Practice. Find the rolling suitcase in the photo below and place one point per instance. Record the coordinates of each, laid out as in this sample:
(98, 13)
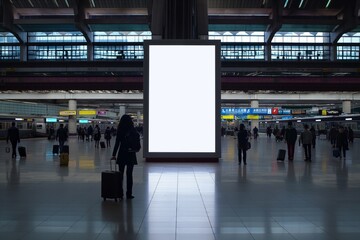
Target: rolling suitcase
(110, 181)
(102, 144)
(65, 149)
(281, 155)
(55, 149)
(64, 159)
(22, 152)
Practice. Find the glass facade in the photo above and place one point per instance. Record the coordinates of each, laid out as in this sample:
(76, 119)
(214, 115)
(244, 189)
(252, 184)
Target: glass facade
(72, 46)
(9, 47)
(29, 109)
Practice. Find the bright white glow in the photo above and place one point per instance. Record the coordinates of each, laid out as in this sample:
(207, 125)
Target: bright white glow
(318, 120)
(298, 121)
(301, 3)
(348, 119)
(61, 120)
(182, 93)
(328, 3)
(19, 119)
(277, 121)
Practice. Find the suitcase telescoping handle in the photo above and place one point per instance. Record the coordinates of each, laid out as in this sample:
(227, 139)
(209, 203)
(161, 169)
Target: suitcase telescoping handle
(111, 161)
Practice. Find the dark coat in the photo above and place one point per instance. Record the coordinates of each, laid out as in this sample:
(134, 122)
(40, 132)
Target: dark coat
(13, 135)
(123, 157)
(291, 135)
(61, 134)
(341, 140)
(242, 138)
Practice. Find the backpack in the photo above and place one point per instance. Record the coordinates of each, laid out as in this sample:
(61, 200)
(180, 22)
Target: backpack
(132, 141)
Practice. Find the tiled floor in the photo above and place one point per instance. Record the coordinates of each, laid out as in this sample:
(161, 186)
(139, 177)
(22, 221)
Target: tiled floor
(263, 201)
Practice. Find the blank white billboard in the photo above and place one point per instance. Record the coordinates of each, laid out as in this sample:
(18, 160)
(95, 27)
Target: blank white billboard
(182, 100)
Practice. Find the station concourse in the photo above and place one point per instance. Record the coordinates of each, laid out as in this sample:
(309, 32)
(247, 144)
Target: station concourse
(82, 63)
(265, 199)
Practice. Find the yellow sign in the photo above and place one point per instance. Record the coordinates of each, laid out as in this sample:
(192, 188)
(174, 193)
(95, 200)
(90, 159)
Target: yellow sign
(67, 113)
(324, 112)
(227, 117)
(87, 112)
(253, 117)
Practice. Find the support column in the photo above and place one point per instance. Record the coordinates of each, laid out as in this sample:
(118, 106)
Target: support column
(72, 119)
(346, 106)
(122, 110)
(254, 123)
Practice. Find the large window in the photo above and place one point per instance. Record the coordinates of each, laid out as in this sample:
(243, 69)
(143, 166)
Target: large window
(119, 45)
(242, 52)
(111, 37)
(348, 47)
(55, 37)
(243, 37)
(9, 47)
(301, 46)
(57, 52)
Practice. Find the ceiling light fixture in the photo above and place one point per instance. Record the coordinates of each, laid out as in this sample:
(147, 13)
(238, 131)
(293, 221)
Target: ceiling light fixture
(286, 3)
(328, 3)
(301, 3)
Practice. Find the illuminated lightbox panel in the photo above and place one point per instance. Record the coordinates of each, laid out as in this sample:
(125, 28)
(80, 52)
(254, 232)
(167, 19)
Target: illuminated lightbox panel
(182, 99)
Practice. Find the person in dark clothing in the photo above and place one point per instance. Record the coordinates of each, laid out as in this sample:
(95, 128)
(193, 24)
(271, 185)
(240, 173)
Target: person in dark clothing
(124, 157)
(269, 131)
(290, 139)
(341, 141)
(333, 135)
(306, 139)
(255, 131)
(107, 136)
(313, 133)
(242, 138)
(351, 135)
(97, 136)
(14, 137)
(61, 136)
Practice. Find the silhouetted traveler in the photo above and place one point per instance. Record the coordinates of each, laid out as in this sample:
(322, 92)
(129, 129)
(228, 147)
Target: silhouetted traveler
(14, 137)
(125, 157)
(61, 135)
(255, 131)
(341, 142)
(306, 139)
(242, 137)
(290, 139)
(107, 136)
(313, 132)
(333, 135)
(351, 135)
(97, 136)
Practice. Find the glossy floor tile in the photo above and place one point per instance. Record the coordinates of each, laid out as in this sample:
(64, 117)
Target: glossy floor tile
(263, 200)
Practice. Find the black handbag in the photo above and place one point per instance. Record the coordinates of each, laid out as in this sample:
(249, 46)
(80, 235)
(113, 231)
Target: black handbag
(248, 145)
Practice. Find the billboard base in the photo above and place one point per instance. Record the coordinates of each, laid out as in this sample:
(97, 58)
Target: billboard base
(184, 160)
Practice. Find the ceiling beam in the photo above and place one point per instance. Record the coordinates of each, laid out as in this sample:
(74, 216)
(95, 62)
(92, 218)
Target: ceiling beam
(80, 15)
(350, 20)
(7, 17)
(276, 17)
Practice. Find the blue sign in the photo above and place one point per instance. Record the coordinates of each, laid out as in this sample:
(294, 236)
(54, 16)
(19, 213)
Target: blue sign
(242, 111)
(284, 111)
(51, 120)
(83, 121)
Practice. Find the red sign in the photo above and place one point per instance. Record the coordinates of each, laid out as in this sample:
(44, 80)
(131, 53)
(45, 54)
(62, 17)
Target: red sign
(275, 111)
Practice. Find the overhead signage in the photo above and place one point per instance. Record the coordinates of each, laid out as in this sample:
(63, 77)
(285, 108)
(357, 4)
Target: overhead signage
(227, 117)
(67, 113)
(251, 111)
(298, 112)
(51, 120)
(83, 121)
(87, 112)
(102, 113)
(325, 112)
(253, 117)
(255, 111)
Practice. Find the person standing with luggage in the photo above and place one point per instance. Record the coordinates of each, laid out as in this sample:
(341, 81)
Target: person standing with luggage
(124, 156)
(14, 137)
(290, 139)
(342, 142)
(97, 136)
(313, 132)
(242, 138)
(61, 136)
(306, 139)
